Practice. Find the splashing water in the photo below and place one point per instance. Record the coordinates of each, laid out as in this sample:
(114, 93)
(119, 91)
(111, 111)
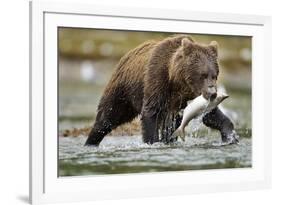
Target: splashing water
(194, 126)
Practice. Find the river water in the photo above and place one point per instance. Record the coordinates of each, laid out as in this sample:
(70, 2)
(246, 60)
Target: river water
(127, 154)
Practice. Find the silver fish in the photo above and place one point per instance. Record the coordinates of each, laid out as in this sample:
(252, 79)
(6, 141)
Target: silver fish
(197, 107)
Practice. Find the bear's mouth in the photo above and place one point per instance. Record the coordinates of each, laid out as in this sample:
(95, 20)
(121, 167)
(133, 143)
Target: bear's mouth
(213, 96)
(209, 96)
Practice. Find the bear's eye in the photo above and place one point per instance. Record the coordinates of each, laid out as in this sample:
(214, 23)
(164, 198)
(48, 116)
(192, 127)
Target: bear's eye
(204, 76)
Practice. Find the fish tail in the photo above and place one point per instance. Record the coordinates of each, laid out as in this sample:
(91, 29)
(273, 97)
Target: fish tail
(180, 132)
(182, 135)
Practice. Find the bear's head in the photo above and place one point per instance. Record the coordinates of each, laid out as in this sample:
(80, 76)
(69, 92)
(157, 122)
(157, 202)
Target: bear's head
(196, 67)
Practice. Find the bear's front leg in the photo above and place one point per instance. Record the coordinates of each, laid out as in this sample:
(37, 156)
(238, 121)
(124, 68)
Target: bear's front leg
(216, 119)
(150, 125)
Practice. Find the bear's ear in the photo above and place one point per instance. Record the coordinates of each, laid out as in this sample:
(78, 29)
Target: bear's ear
(185, 42)
(187, 45)
(214, 47)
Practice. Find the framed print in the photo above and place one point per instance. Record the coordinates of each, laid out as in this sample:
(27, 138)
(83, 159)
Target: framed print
(129, 102)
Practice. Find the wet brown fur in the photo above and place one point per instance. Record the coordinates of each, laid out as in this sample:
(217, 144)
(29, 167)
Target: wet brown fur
(154, 79)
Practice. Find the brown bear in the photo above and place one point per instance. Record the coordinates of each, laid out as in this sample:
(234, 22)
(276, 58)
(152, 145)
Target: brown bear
(155, 80)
